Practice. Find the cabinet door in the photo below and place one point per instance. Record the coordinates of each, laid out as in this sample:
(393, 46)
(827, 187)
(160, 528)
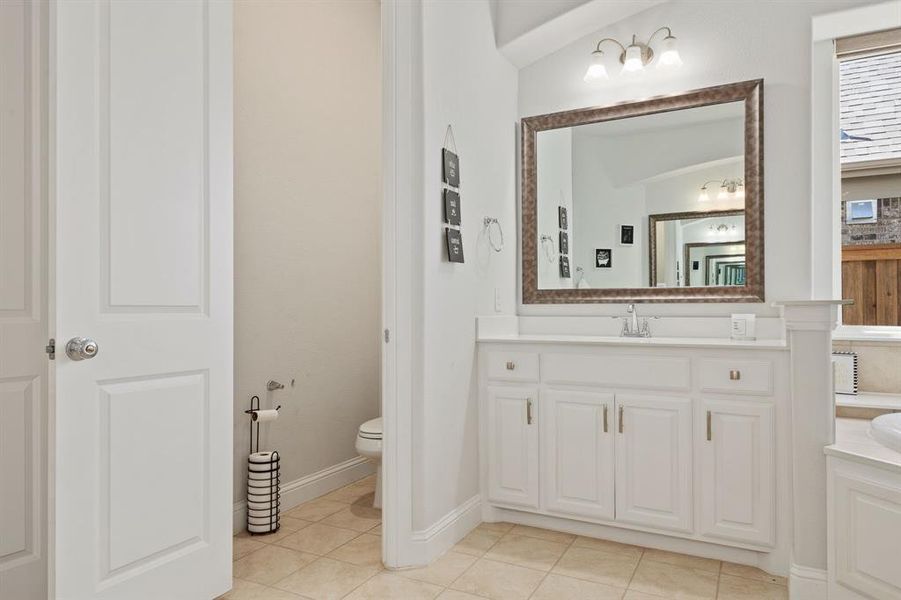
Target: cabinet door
(513, 445)
(653, 461)
(577, 453)
(737, 450)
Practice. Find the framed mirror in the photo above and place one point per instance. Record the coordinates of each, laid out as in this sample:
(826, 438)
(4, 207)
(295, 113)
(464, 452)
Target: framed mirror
(659, 200)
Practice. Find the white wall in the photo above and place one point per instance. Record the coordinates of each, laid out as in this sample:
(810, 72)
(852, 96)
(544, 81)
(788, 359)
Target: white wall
(307, 226)
(720, 42)
(466, 83)
(555, 188)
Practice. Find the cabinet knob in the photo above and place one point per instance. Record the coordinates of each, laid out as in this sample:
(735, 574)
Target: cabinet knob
(511, 365)
(734, 374)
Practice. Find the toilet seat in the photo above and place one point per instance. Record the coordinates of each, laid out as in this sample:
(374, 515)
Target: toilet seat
(371, 430)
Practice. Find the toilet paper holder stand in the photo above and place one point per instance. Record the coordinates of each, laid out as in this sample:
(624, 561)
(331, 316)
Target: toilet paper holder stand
(254, 407)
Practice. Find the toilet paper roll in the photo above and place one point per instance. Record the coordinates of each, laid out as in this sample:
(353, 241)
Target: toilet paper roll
(262, 416)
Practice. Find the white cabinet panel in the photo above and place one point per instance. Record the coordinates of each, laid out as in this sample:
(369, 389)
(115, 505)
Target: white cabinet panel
(736, 376)
(513, 366)
(866, 527)
(736, 445)
(670, 372)
(577, 453)
(653, 461)
(513, 445)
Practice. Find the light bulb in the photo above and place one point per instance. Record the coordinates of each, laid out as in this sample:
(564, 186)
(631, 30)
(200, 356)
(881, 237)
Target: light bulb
(633, 60)
(703, 196)
(669, 57)
(596, 70)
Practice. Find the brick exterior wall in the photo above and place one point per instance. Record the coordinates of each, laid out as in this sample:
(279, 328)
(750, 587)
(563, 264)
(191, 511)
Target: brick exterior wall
(886, 229)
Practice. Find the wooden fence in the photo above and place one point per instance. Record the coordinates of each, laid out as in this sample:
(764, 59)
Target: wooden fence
(871, 276)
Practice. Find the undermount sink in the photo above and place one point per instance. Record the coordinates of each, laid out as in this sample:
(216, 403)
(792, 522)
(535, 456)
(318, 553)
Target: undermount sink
(886, 429)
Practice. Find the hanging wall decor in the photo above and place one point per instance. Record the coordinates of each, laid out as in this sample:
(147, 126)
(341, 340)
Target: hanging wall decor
(451, 207)
(451, 168)
(564, 267)
(564, 242)
(603, 258)
(564, 222)
(454, 245)
(450, 176)
(627, 235)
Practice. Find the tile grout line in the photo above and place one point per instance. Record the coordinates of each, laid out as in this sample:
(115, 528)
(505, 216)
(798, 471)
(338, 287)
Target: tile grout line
(549, 571)
(635, 570)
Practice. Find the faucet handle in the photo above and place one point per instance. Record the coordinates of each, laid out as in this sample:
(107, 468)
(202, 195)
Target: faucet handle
(630, 309)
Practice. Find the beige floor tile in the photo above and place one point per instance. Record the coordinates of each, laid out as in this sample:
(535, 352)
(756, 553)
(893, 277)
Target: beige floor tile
(270, 563)
(499, 527)
(326, 579)
(455, 595)
(543, 534)
(377, 530)
(682, 560)
(365, 500)
(673, 581)
(388, 585)
(365, 550)
(315, 510)
(526, 551)
(247, 590)
(613, 569)
(357, 517)
(751, 573)
(244, 545)
(498, 581)
(353, 492)
(608, 546)
(443, 571)
(287, 526)
(477, 542)
(633, 595)
(557, 587)
(740, 588)
(318, 539)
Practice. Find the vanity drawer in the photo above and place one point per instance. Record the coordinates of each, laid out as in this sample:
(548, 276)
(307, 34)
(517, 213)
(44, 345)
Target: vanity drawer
(512, 366)
(753, 377)
(649, 372)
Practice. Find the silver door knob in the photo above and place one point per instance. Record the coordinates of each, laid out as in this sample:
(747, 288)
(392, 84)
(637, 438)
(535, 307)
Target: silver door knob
(79, 348)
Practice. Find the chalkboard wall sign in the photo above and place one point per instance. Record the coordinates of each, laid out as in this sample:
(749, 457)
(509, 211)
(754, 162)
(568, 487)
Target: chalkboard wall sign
(564, 222)
(454, 245)
(451, 168)
(564, 242)
(564, 267)
(451, 207)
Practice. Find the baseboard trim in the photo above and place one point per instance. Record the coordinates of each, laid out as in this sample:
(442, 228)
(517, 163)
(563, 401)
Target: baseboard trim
(312, 486)
(431, 543)
(806, 583)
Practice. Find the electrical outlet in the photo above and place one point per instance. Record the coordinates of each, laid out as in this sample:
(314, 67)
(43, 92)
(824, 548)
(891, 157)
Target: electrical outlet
(497, 300)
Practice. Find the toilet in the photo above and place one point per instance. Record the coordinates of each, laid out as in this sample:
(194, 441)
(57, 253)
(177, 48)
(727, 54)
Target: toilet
(369, 444)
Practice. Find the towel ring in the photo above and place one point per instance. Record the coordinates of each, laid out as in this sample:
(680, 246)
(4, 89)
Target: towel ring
(488, 222)
(549, 254)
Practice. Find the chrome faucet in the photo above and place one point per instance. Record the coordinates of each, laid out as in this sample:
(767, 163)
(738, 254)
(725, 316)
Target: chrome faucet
(633, 326)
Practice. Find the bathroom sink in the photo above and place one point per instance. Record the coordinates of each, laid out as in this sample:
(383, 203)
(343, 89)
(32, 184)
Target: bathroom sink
(886, 429)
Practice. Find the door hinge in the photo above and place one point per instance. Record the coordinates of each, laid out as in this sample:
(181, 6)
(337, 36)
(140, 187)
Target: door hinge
(387, 335)
(50, 349)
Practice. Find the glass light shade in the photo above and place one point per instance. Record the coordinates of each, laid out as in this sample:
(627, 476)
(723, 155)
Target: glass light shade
(740, 192)
(669, 56)
(724, 193)
(703, 196)
(596, 70)
(633, 61)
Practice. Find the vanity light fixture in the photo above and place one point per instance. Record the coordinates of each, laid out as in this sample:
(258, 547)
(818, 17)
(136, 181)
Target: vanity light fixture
(729, 189)
(636, 56)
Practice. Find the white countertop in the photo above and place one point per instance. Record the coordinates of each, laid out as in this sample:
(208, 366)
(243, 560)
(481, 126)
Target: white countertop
(853, 442)
(591, 340)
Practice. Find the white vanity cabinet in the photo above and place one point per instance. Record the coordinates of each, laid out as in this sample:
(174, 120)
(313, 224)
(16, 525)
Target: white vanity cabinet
(674, 441)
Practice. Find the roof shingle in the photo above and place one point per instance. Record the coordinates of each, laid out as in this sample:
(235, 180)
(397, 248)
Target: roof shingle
(870, 104)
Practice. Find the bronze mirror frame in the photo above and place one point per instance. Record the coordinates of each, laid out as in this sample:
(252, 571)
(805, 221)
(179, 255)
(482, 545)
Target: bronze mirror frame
(751, 92)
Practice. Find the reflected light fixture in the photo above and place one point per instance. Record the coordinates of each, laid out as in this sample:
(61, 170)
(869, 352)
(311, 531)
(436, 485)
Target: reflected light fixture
(729, 189)
(636, 56)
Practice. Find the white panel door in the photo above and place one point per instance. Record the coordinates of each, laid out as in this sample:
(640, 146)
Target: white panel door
(513, 446)
(577, 453)
(23, 308)
(142, 174)
(653, 461)
(736, 445)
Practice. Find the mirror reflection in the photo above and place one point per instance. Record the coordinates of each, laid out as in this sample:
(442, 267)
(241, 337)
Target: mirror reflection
(650, 201)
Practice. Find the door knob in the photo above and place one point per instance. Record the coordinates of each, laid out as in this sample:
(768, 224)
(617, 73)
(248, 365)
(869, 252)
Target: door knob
(79, 348)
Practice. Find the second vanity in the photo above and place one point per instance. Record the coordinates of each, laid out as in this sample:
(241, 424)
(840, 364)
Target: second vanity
(680, 444)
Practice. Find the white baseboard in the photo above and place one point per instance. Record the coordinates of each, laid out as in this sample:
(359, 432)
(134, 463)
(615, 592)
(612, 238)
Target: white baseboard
(806, 583)
(431, 543)
(312, 486)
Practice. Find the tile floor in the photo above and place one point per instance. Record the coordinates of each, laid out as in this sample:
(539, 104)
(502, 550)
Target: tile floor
(330, 548)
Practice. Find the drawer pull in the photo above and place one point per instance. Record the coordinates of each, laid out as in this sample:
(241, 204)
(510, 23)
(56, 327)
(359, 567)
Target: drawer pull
(709, 427)
(511, 365)
(621, 408)
(605, 418)
(528, 411)
(734, 374)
